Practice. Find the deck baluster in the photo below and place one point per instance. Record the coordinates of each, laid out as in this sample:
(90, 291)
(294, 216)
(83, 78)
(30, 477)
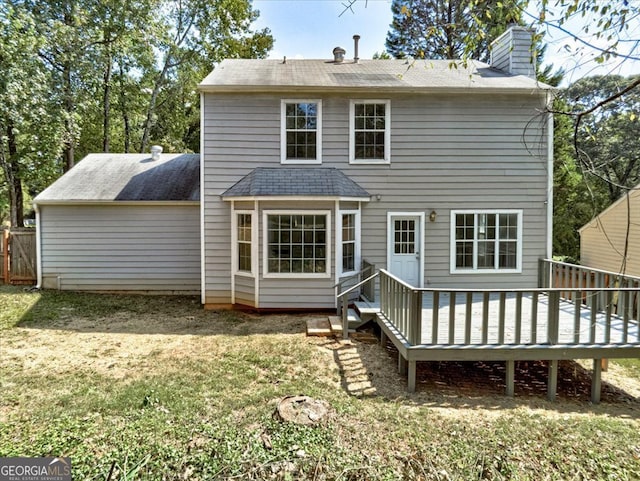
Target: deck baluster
(608, 313)
(625, 318)
(435, 317)
(485, 317)
(417, 329)
(577, 307)
(467, 318)
(552, 317)
(501, 317)
(452, 317)
(518, 333)
(593, 320)
(534, 317)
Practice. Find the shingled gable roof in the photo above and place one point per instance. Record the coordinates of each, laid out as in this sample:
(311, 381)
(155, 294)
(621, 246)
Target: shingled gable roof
(381, 75)
(127, 177)
(296, 182)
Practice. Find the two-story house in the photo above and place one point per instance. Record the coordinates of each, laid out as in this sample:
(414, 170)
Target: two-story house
(439, 173)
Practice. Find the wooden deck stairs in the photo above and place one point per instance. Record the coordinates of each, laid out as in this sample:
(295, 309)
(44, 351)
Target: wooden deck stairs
(360, 314)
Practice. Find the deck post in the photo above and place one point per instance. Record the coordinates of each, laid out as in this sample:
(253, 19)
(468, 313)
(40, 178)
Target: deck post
(383, 338)
(596, 381)
(552, 383)
(411, 377)
(402, 365)
(510, 376)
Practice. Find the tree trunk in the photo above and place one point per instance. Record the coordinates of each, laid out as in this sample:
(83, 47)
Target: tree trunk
(125, 113)
(14, 182)
(106, 103)
(67, 91)
(152, 105)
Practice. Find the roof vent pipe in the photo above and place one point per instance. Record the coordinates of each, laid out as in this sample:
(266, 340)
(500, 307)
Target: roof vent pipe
(338, 54)
(156, 150)
(355, 48)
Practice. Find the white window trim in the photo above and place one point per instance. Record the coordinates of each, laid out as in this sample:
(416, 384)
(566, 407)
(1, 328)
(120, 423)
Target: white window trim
(358, 255)
(387, 132)
(265, 245)
(283, 133)
(254, 243)
(452, 244)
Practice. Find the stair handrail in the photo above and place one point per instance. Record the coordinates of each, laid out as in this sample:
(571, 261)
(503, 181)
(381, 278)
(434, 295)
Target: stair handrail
(345, 313)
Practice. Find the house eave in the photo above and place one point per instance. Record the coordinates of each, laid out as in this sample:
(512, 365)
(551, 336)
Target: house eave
(369, 90)
(290, 198)
(116, 202)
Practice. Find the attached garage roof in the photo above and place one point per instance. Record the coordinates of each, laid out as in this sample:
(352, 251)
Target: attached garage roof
(296, 182)
(127, 177)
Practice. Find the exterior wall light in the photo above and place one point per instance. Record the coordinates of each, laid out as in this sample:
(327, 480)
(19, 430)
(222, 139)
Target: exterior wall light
(433, 215)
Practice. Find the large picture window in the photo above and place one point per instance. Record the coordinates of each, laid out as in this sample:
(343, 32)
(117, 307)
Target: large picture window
(301, 131)
(297, 244)
(370, 131)
(486, 241)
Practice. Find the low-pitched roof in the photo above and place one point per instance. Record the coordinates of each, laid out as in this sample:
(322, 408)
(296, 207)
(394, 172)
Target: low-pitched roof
(127, 177)
(382, 75)
(296, 182)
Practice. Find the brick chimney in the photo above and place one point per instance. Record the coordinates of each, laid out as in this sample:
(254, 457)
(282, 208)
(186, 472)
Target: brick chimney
(512, 52)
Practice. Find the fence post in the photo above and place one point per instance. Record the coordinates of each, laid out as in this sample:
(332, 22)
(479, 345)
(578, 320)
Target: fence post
(5, 255)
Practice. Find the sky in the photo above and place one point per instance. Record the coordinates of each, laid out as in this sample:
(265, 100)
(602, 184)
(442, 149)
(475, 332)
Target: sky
(310, 29)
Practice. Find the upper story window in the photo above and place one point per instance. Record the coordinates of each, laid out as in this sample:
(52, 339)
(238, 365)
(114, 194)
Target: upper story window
(370, 131)
(301, 136)
(486, 241)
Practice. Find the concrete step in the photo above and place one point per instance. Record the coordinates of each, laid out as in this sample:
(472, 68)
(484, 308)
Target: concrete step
(336, 322)
(319, 327)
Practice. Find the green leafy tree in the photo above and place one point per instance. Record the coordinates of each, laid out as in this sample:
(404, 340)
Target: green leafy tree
(30, 130)
(607, 139)
(449, 29)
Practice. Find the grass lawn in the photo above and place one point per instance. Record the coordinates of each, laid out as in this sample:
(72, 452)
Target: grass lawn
(136, 387)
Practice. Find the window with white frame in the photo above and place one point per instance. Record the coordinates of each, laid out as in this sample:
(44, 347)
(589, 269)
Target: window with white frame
(243, 239)
(370, 131)
(348, 241)
(486, 241)
(301, 131)
(297, 243)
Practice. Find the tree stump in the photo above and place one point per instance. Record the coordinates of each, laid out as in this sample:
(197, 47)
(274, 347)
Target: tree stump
(302, 410)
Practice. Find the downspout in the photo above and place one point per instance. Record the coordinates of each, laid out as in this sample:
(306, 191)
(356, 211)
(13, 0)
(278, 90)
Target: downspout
(203, 286)
(38, 248)
(549, 178)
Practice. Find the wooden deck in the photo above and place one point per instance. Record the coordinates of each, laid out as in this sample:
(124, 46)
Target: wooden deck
(577, 313)
(571, 329)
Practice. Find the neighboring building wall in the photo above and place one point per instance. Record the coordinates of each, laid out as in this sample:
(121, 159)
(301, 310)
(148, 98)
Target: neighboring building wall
(602, 241)
(153, 248)
(447, 152)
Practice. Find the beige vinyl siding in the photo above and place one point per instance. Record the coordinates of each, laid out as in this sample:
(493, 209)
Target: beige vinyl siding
(602, 241)
(448, 152)
(121, 248)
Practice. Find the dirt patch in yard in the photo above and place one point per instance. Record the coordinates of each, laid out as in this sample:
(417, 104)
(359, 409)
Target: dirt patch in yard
(133, 345)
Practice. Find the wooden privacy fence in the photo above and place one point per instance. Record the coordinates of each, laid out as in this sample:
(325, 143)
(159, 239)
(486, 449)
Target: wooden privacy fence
(18, 256)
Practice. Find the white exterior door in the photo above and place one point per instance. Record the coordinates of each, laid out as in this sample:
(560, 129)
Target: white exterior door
(405, 247)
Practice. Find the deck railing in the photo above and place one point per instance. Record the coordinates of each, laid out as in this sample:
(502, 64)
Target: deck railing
(570, 277)
(509, 316)
(367, 289)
